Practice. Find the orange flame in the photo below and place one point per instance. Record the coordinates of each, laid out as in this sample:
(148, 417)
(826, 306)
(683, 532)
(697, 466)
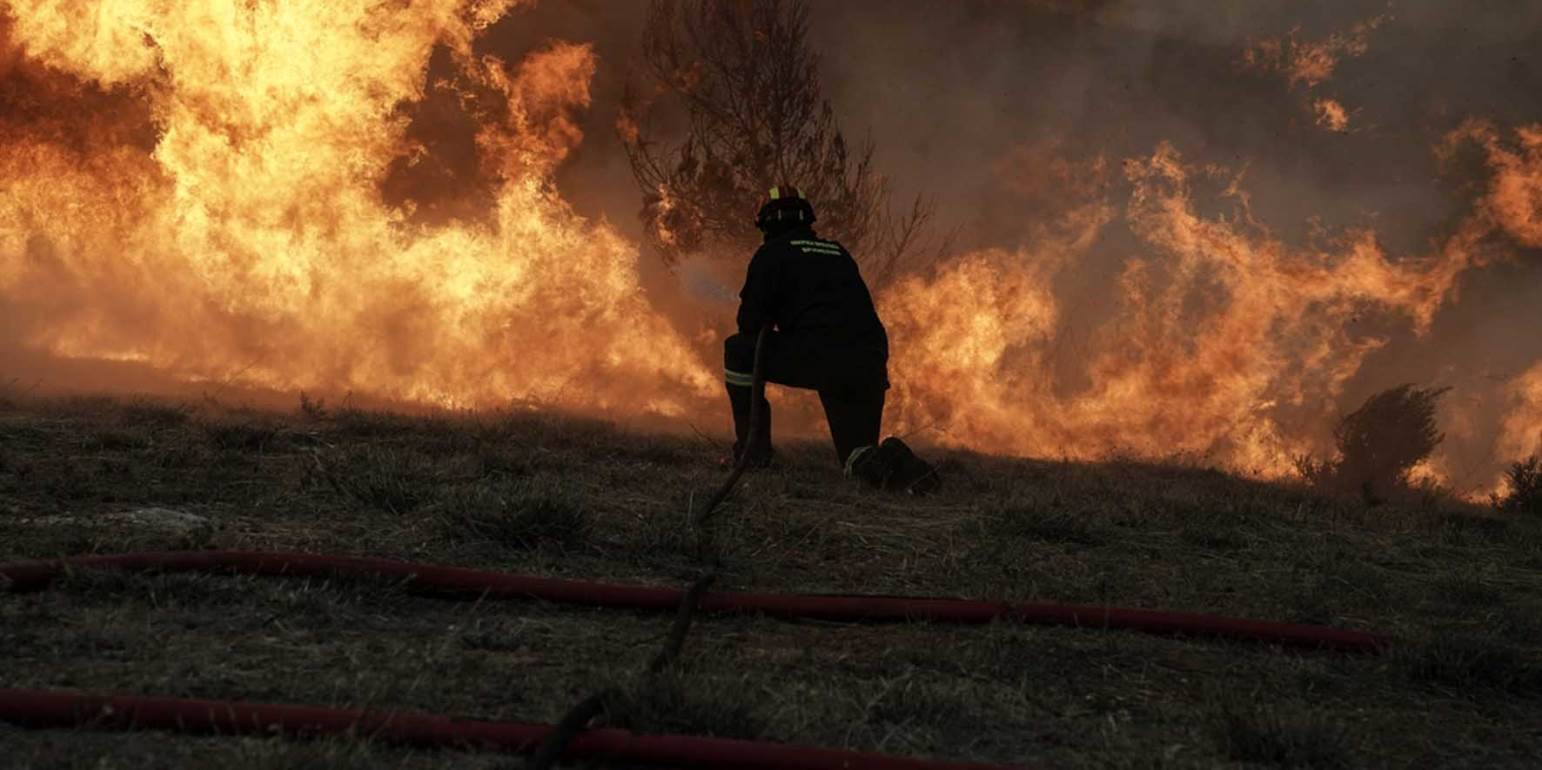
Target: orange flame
(1220, 333)
(253, 238)
(1311, 62)
(1521, 433)
(220, 215)
(1331, 115)
(1513, 201)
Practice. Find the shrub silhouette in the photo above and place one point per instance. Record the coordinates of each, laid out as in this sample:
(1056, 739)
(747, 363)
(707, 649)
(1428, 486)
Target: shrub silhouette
(1525, 495)
(1379, 443)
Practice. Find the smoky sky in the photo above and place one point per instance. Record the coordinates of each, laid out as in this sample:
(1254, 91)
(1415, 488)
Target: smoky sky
(945, 86)
(944, 90)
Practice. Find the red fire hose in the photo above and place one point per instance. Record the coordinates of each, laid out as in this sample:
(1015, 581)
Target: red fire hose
(32, 576)
(45, 708)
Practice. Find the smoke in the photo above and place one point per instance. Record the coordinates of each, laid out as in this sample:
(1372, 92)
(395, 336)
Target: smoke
(1183, 226)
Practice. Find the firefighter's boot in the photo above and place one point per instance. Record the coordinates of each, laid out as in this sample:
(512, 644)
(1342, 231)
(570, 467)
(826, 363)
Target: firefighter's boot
(892, 466)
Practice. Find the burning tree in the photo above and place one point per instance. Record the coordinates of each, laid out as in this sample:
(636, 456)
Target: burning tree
(748, 85)
(1379, 443)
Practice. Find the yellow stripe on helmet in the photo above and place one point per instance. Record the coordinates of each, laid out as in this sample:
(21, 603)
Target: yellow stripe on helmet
(776, 193)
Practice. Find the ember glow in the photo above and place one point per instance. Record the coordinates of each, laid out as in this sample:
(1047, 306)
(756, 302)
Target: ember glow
(1309, 63)
(200, 191)
(1331, 115)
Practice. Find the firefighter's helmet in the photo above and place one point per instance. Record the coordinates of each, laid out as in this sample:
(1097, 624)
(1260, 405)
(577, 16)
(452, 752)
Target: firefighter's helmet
(784, 204)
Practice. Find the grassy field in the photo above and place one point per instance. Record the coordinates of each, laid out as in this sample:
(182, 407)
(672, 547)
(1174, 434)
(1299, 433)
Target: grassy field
(1460, 587)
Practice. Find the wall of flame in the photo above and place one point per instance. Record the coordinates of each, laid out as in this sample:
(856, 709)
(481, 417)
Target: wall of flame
(198, 188)
(251, 236)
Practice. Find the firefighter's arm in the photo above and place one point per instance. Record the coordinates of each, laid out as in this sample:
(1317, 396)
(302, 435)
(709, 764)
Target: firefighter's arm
(755, 299)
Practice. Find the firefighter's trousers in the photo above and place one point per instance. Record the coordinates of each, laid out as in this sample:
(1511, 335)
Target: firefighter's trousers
(850, 379)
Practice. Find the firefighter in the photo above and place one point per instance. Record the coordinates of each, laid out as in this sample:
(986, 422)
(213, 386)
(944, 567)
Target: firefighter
(825, 336)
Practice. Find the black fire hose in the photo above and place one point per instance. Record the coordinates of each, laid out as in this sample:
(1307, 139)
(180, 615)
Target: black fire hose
(742, 462)
(577, 719)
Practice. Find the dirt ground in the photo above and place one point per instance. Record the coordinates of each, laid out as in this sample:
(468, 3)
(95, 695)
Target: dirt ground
(1458, 585)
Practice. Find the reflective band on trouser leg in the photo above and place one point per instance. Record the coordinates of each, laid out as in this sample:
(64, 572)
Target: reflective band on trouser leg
(739, 379)
(851, 462)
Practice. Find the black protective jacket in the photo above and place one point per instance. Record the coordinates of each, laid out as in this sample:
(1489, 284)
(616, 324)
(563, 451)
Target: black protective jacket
(812, 291)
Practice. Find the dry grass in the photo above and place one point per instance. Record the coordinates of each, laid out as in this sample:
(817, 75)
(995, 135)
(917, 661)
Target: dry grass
(576, 498)
(522, 514)
(1266, 737)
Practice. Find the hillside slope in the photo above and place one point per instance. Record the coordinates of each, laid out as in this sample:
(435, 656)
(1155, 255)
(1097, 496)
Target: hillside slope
(544, 494)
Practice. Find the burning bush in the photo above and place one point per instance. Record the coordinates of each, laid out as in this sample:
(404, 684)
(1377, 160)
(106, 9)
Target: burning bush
(1379, 443)
(1525, 480)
